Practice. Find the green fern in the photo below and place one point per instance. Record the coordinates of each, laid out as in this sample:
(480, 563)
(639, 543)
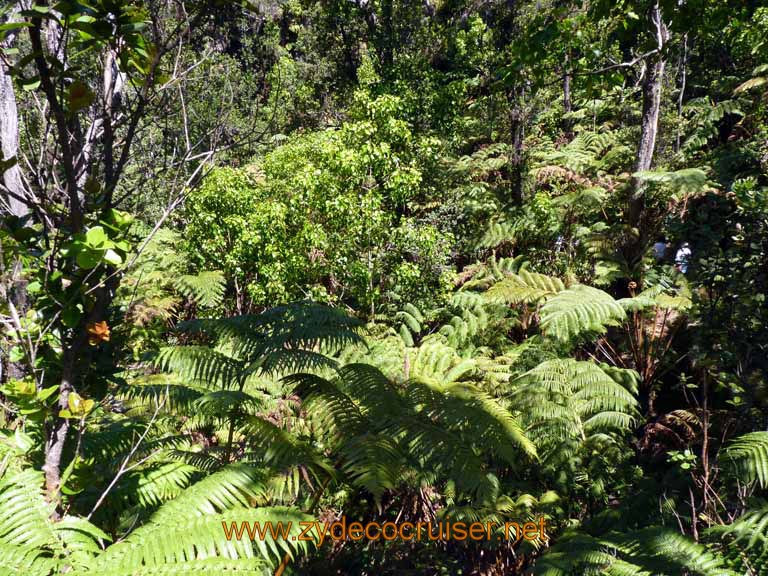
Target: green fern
(286, 338)
(30, 541)
(744, 542)
(202, 566)
(580, 309)
(567, 399)
(653, 551)
(747, 456)
(525, 287)
(411, 323)
(682, 183)
(380, 431)
(173, 541)
(204, 289)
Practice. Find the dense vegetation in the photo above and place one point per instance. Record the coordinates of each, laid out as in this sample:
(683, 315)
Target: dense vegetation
(391, 261)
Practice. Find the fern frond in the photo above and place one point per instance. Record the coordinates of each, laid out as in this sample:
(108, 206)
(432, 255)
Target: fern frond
(284, 339)
(525, 287)
(24, 514)
(205, 289)
(435, 361)
(168, 542)
(685, 182)
(280, 449)
(203, 567)
(155, 484)
(568, 399)
(29, 538)
(202, 365)
(653, 551)
(502, 429)
(579, 309)
(372, 461)
(28, 560)
(234, 486)
(747, 455)
(744, 539)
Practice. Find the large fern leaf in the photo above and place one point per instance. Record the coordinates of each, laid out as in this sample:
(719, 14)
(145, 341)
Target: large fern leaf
(747, 455)
(171, 541)
(527, 287)
(205, 289)
(580, 309)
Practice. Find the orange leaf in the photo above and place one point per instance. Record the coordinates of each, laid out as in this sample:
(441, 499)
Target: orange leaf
(98, 332)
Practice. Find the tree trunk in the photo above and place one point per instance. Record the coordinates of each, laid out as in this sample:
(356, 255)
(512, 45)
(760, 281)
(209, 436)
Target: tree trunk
(567, 105)
(9, 135)
(75, 356)
(12, 185)
(76, 353)
(517, 137)
(652, 89)
(681, 95)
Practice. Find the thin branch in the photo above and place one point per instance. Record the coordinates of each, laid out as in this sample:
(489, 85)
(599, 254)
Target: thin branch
(124, 466)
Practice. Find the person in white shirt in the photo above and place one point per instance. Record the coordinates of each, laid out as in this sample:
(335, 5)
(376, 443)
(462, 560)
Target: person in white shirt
(683, 258)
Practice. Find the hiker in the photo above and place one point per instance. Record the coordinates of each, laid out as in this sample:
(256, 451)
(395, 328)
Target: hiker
(683, 258)
(660, 248)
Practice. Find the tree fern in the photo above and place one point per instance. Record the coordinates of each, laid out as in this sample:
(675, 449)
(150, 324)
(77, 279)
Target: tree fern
(580, 309)
(286, 338)
(482, 275)
(168, 543)
(386, 351)
(379, 430)
(155, 484)
(411, 323)
(204, 289)
(562, 399)
(681, 183)
(189, 528)
(707, 116)
(525, 287)
(653, 551)
(745, 541)
(29, 538)
(469, 317)
(747, 456)
(436, 361)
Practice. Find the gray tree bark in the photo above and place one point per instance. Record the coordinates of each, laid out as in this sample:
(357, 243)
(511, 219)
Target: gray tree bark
(14, 195)
(649, 128)
(12, 184)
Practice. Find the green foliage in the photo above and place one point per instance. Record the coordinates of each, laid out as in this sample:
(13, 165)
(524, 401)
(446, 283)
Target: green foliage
(744, 541)
(273, 229)
(525, 287)
(31, 540)
(644, 552)
(565, 312)
(205, 288)
(683, 183)
(573, 399)
(381, 431)
(748, 455)
(579, 309)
